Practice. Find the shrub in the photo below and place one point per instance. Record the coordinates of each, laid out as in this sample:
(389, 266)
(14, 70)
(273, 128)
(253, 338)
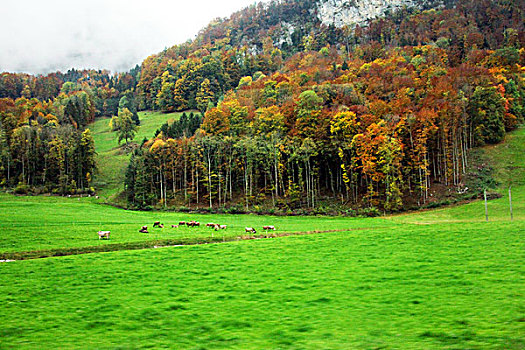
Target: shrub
(369, 212)
(22, 188)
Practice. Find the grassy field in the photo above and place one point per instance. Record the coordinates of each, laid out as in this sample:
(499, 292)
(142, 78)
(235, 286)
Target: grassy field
(111, 161)
(54, 223)
(440, 279)
(446, 287)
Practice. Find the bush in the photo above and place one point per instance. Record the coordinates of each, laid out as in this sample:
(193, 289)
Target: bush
(369, 212)
(22, 189)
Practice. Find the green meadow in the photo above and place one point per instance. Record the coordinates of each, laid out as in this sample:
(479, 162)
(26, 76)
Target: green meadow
(447, 287)
(436, 279)
(60, 224)
(111, 159)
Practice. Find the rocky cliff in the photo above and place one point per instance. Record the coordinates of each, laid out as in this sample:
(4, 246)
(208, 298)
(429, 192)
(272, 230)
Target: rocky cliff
(340, 13)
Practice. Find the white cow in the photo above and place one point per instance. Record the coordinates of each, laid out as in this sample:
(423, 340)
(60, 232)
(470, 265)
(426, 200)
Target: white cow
(103, 234)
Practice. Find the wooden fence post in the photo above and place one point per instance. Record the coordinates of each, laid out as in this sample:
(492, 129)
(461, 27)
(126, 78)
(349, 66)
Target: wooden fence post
(486, 207)
(510, 203)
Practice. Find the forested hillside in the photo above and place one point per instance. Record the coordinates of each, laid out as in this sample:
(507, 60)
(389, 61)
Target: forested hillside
(304, 111)
(45, 145)
(374, 116)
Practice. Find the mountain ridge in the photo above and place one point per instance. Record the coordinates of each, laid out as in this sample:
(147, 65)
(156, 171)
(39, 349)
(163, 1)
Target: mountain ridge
(286, 21)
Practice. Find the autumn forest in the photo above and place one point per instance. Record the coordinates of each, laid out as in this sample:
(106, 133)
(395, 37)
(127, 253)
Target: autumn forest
(369, 118)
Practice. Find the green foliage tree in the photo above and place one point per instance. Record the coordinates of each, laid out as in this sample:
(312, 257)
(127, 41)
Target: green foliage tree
(87, 160)
(128, 101)
(126, 127)
(308, 113)
(486, 108)
(165, 97)
(204, 96)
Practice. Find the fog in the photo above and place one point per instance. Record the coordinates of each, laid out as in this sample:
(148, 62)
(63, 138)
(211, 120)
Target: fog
(39, 37)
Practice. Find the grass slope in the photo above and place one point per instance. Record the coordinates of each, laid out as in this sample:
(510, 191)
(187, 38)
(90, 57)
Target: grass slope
(440, 279)
(110, 160)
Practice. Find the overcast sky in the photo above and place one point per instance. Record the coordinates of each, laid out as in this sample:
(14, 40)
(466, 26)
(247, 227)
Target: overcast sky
(42, 36)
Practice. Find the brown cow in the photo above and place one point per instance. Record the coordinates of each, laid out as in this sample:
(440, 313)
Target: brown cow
(266, 228)
(103, 234)
(144, 229)
(156, 224)
(182, 223)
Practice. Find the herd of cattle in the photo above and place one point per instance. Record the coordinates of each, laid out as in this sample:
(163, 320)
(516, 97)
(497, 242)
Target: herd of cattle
(216, 227)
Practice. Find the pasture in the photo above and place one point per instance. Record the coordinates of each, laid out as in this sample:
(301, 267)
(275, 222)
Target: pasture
(111, 160)
(438, 279)
(413, 287)
(39, 224)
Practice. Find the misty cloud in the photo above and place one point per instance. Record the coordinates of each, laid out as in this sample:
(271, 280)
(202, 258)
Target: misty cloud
(39, 37)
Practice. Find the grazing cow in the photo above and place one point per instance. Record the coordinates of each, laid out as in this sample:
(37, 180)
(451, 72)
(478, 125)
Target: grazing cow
(266, 228)
(144, 229)
(156, 224)
(250, 230)
(182, 223)
(222, 227)
(161, 226)
(216, 227)
(210, 224)
(103, 234)
(193, 224)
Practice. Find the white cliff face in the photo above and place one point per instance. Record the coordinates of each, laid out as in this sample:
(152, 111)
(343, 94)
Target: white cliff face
(351, 12)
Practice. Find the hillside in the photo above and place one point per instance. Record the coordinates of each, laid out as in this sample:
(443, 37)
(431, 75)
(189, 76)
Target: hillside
(435, 280)
(112, 159)
(383, 117)
(305, 175)
(310, 107)
(509, 172)
(288, 22)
